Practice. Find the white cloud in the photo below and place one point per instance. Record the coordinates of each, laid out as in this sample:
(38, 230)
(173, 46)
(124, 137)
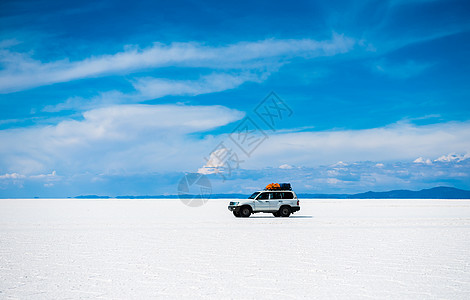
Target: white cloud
(453, 157)
(421, 160)
(337, 149)
(333, 181)
(400, 141)
(116, 139)
(356, 177)
(131, 139)
(12, 176)
(339, 164)
(21, 71)
(216, 162)
(51, 176)
(14, 179)
(19, 180)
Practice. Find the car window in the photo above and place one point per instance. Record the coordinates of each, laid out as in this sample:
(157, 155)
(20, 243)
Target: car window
(263, 196)
(287, 195)
(253, 196)
(276, 195)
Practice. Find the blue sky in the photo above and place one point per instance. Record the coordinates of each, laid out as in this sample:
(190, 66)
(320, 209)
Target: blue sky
(122, 98)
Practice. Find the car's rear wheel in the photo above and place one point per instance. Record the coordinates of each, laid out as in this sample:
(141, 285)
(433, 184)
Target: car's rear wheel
(236, 214)
(284, 211)
(276, 214)
(245, 212)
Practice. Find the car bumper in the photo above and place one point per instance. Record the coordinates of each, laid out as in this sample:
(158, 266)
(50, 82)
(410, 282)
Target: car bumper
(295, 208)
(233, 208)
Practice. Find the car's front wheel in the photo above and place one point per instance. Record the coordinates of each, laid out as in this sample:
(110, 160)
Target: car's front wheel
(285, 211)
(236, 214)
(245, 212)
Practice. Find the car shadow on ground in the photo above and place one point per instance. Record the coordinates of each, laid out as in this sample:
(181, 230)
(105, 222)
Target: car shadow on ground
(273, 217)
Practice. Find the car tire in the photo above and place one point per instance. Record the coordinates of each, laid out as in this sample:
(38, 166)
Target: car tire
(276, 214)
(284, 211)
(245, 212)
(236, 214)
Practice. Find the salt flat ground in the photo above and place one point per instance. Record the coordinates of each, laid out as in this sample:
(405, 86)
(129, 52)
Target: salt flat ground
(145, 249)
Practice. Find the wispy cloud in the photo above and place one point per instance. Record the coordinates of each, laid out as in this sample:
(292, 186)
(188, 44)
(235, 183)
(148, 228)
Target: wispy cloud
(103, 99)
(148, 88)
(21, 71)
(408, 2)
(401, 70)
(156, 87)
(9, 43)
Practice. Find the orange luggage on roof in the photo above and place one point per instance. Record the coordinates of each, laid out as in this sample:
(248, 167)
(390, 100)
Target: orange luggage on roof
(273, 186)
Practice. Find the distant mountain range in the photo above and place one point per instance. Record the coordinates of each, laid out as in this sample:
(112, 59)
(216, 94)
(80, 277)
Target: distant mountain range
(441, 192)
(433, 193)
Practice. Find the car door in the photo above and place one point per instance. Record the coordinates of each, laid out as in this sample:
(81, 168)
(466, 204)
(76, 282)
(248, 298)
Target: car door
(262, 202)
(275, 201)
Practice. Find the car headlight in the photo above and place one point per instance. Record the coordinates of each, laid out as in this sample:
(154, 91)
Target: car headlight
(233, 203)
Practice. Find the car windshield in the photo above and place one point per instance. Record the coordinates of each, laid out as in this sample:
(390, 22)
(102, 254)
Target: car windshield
(253, 196)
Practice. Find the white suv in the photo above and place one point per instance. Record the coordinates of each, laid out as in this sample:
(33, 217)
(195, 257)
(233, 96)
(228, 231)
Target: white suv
(281, 203)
